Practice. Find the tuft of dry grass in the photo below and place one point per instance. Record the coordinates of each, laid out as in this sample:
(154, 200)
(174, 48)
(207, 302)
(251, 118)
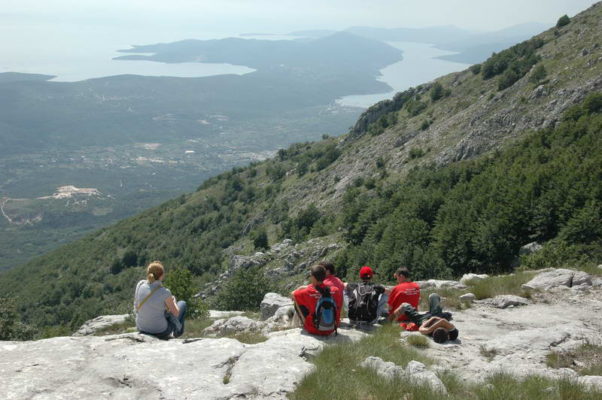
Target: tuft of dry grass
(419, 341)
(489, 354)
(586, 359)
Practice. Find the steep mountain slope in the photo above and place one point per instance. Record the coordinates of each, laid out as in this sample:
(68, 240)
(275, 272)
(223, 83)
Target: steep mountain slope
(411, 160)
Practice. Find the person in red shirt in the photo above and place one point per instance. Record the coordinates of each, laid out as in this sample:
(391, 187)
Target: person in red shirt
(306, 299)
(406, 292)
(331, 278)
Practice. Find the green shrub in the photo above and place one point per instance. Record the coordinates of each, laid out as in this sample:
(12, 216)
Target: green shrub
(585, 226)
(512, 63)
(416, 152)
(508, 78)
(129, 258)
(11, 327)
(563, 21)
(415, 107)
(260, 239)
(538, 74)
(475, 69)
(436, 91)
(179, 282)
(244, 291)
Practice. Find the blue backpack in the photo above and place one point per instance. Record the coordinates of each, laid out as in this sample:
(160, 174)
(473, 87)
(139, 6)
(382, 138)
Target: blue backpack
(326, 311)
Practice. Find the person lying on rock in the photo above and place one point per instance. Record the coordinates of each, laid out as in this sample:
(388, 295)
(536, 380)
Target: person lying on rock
(157, 312)
(435, 322)
(318, 305)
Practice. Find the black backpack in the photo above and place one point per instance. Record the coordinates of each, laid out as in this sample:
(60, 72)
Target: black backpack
(363, 301)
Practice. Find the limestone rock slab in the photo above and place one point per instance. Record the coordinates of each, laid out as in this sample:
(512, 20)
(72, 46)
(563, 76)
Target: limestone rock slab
(505, 301)
(223, 327)
(271, 303)
(558, 277)
(471, 278)
(136, 366)
(104, 321)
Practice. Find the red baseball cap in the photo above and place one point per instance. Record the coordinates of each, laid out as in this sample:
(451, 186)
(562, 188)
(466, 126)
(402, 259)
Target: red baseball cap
(366, 272)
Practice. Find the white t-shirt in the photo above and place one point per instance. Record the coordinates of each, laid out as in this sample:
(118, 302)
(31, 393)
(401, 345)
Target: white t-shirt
(151, 316)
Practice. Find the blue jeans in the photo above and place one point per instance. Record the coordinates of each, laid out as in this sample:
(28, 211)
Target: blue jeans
(175, 325)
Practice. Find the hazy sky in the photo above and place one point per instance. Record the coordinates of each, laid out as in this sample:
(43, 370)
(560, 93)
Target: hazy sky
(239, 16)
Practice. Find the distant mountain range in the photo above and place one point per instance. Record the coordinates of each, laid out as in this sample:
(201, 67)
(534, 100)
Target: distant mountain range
(472, 47)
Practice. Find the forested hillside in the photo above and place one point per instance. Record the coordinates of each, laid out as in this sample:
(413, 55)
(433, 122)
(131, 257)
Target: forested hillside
(450, 177)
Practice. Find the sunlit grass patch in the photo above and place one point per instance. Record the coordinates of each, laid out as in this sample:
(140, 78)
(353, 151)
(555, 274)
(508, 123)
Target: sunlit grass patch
(194, 328)
(339, 376)
(504, 386)
(503, 284)
(248, 337)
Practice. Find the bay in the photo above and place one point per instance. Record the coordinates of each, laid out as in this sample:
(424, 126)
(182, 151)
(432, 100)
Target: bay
(419, 65)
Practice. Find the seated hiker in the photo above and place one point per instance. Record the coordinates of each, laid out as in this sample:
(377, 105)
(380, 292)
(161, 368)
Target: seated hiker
(331, 277)
(405, 291)
(317, 304)
(435, 322)
(157, 312)
(367, 300)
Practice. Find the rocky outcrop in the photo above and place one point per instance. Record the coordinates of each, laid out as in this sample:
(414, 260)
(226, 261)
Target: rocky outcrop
(517, 340)
(559, 277)
(215, 314)
(271, 303)
(99, 323)
(282, 260)
(468, 297)
(472, 278)
(530, 248)
(511, 339)
(135, 366)
(276, 314)
(439, 284)
(232, 326)
(415, 371)
(505, 301)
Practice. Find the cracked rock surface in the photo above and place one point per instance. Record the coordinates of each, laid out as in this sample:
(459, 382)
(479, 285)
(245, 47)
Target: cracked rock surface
(135, 366)
(517, 339)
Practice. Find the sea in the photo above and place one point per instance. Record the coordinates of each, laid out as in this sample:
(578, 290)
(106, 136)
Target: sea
(73, 53)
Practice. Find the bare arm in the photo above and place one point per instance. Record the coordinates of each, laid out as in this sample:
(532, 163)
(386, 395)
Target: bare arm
(434, 323)
(172, 307)
(293, 292)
